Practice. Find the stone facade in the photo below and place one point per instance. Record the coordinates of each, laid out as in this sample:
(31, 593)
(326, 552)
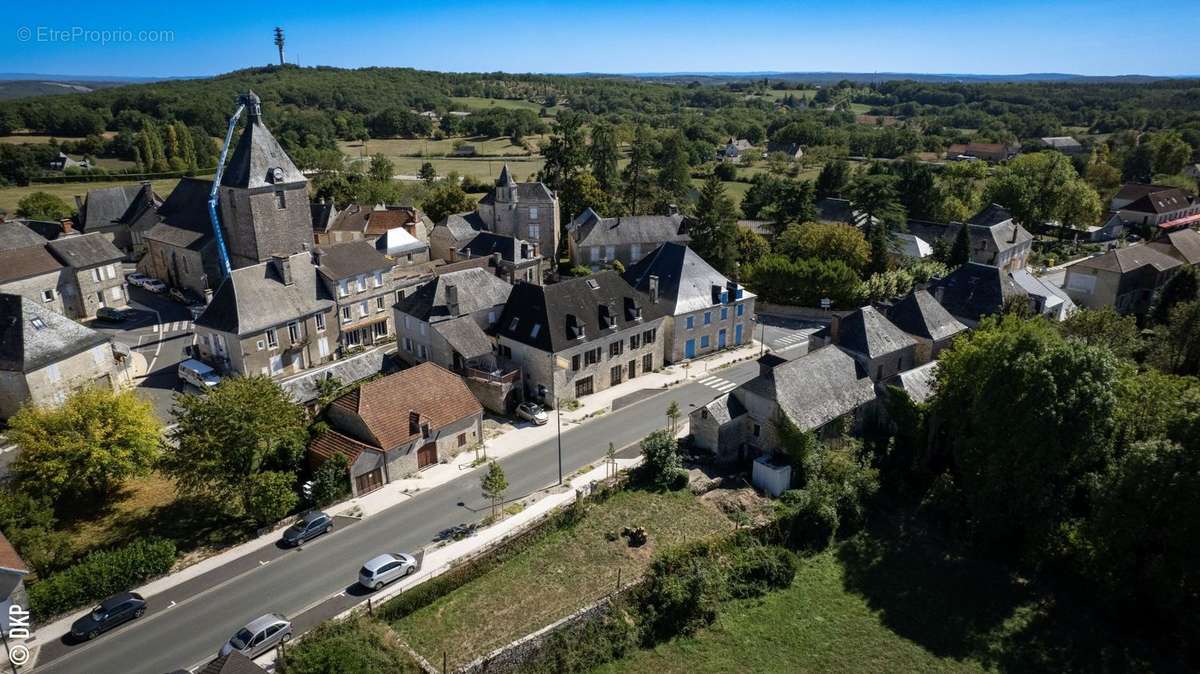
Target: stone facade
(94, 287)
(192, 269)
(45, 289)
(527, 211)
(279, 350)
(713, 329)
(265, 221)
(50, 385)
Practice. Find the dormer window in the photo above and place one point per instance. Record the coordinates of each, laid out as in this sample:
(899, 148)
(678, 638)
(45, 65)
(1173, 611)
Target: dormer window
(512, 327)
(575, 329)
(537, 327)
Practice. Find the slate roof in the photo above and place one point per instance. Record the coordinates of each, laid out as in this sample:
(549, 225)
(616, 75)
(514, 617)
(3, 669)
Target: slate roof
(548, 308)
(254, 298)
(919, 383)
(465, 336)
(685, 280)
(975, 290)
(234, 663)
(816, 388)
(24, 347)
(439, 396)
(589, 229)
(463, 226)
(1181, 243)
(477, 289)
(108, 205)
(1130, 258)
(532, 191)
(1134, 191)
(990, 216)
(487, 243)
(185, 222)
(790, 149)
(1165, 200)
(255, 156)
(22, 263)
(725, 408)
(870, 333)
(347, 260)
(921, 315)
(85, 250)
(833, 209)
(1062, 142)
(303, 387)
(322, 215)
(17, 235)
(1054, 296)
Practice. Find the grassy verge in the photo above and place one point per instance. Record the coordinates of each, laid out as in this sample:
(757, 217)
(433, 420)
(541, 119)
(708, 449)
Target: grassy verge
(10, 196)
(556, 575)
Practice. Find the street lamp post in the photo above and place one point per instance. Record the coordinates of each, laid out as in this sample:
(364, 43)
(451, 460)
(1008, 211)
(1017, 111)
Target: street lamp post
(557, 412)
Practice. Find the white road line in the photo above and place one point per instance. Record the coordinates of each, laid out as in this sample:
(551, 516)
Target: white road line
(727, 386)
(708, 380)
(156, 326)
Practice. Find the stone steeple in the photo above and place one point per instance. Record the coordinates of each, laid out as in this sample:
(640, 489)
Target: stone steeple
(505, 179)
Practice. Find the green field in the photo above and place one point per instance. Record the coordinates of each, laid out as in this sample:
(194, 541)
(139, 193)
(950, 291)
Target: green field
(556, 575)
(9, 196)
(426, 147)
(477, 103)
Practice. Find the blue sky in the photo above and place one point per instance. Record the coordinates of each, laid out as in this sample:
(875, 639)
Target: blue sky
(1100, 37)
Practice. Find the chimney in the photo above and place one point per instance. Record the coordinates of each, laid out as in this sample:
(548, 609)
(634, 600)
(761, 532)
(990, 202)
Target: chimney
(524, 251)
(766, 365)
(653, 289)
(283, 267)
(716, 294)
(79, 203)
(1014, 233)
(67, 226)
(732, 288)
(316, 256)
(835, 327)
(533, 249)
(672, 209)
(452, 299)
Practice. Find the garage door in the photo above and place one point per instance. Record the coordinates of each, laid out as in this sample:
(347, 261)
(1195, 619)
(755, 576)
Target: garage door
(369, 482)
(427, 455)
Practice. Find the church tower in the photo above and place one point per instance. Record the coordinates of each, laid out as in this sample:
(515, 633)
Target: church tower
(263, 196)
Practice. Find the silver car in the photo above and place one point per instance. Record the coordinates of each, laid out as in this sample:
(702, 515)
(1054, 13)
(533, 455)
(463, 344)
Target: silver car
(381, 570)
(259, 636)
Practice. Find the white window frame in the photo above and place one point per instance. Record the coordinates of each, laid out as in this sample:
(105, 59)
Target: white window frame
(320, 319)
(360, 283)
(48, 295)
(535, 232)
(347, 315)
(380, 305)
(364, 308)
(343, 287)
(294, 333)
(378, 279)
(533, 213)
(272, 339)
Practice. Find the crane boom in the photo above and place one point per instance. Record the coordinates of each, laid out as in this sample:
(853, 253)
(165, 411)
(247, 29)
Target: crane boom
(212, 196)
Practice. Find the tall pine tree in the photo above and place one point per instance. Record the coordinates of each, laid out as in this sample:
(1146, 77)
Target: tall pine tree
(714, 231)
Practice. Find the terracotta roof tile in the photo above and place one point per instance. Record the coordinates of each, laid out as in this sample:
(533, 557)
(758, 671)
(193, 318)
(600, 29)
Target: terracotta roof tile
(331, 442)
(439, 396)
(9, 559)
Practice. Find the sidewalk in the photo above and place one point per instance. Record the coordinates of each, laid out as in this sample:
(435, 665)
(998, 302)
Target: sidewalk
(398, 491)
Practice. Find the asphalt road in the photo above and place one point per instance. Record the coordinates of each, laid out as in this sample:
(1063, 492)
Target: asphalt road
(316, 581)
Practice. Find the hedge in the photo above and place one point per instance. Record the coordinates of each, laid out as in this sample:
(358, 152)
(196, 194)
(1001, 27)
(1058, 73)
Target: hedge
(99, 575)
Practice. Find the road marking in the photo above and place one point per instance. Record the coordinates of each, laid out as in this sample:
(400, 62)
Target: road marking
(156, 326)
(172, 604)
(262, 563)
(722, 385)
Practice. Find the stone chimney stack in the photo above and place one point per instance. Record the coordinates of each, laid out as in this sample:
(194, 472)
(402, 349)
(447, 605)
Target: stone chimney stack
(654, 289)
(283, 267)
(79, 203)
(452, 299)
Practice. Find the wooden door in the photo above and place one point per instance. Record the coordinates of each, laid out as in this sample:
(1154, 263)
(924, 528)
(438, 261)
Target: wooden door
(369, 482)
(427, 455)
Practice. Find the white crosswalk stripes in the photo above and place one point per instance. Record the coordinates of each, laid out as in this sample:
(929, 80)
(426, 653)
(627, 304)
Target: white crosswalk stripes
(792, 339)
(722, 385)
(174, 326)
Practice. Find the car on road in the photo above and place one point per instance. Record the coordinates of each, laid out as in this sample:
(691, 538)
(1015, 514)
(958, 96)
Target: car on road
(306, 528)
(200, 375)
(178, 295)
(155, 286)
(532, 412)
(258, 636)
(114, 315)
(137, 279)
(383, 569)
(111, 612)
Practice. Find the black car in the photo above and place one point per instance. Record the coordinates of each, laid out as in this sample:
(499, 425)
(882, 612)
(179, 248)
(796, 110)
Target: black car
(308, 527)
(114, 315)
(111, 612)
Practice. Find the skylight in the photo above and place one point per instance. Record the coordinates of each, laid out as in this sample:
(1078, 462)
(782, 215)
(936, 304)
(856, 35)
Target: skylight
(592, 284)
(38, 324)
(537, 327)
(512, 327)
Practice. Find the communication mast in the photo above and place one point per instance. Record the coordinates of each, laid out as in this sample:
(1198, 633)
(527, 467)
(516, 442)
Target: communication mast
(279, 42)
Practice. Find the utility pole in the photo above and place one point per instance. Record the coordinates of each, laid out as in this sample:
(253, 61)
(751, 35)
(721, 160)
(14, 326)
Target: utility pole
(279, 42)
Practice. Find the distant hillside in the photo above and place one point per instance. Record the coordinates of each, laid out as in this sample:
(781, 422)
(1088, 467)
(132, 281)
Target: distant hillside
(834, 77)
(21, 88)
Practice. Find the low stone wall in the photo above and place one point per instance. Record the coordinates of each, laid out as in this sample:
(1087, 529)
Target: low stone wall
(513, 657)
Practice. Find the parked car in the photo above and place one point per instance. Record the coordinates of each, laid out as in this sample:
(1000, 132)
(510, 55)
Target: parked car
(155, 286)
(532, 412)
(308, 527)
(114, 315)
(137, 279)
(383, 569)
(259, 636)
(198, 374)
(111, 612)
(178, 295)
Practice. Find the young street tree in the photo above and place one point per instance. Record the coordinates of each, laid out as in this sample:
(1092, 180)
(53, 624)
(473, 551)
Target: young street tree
(244, 426)
(494, 484)
(672, 417)
(89, 446)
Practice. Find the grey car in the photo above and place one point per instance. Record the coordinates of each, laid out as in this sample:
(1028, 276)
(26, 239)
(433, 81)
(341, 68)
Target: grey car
(310, 526)
(259, 636)
(383, 569)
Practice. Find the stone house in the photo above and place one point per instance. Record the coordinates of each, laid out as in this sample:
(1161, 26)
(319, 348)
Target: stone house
(595, 242)
(581, 335)
(13, 570)
(371, 223)
(812, 392)
(919, 315)
(994, 237)
(515, 260)
(273, 319)
(452, 233)
(1156, 207)
(881, 349)
(708, 311)
(1127, 278)
(793, 151)
(394, 426)
(181, 250)
(974, 291)
(526, 211)
(94, 270)
(447, 320)
(364, 286)
(123, 214)
(32, 272)
(45, 356)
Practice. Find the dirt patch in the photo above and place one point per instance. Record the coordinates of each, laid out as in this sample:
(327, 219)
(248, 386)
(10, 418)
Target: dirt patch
(744, 506)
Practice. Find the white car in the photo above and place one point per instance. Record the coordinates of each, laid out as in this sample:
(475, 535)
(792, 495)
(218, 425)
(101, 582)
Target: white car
(381, 570)
(533, 412)
(137, 279)
(155, 286)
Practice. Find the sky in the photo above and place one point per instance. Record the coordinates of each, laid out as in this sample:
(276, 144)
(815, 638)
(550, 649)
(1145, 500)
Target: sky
(168, 39)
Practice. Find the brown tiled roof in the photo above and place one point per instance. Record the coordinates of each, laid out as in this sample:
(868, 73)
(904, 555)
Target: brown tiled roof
(439, 396)
(331, 442)
(20, 263)
(234, 663)
(9, 559)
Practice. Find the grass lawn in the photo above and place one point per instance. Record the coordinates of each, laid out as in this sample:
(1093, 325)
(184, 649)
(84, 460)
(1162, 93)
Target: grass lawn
(149, 506)
(488, 169)
(556, 575)
(10, 196)
(477, 103)
(425, 147)
(734, 190)
(895, 602)
(23, 139)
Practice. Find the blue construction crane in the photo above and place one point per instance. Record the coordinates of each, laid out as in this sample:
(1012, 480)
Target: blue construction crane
(243, 101)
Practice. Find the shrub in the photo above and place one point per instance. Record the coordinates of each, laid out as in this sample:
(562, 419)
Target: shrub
(359, 645)
(755, 570)
(332, 480)
(586, 645)
(271, 496)
(99, 575)
(662, 463)
(808, 520)
(682, 593)
(726, 171)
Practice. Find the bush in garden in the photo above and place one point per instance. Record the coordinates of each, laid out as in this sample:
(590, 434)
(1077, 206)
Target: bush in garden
(99, 575)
